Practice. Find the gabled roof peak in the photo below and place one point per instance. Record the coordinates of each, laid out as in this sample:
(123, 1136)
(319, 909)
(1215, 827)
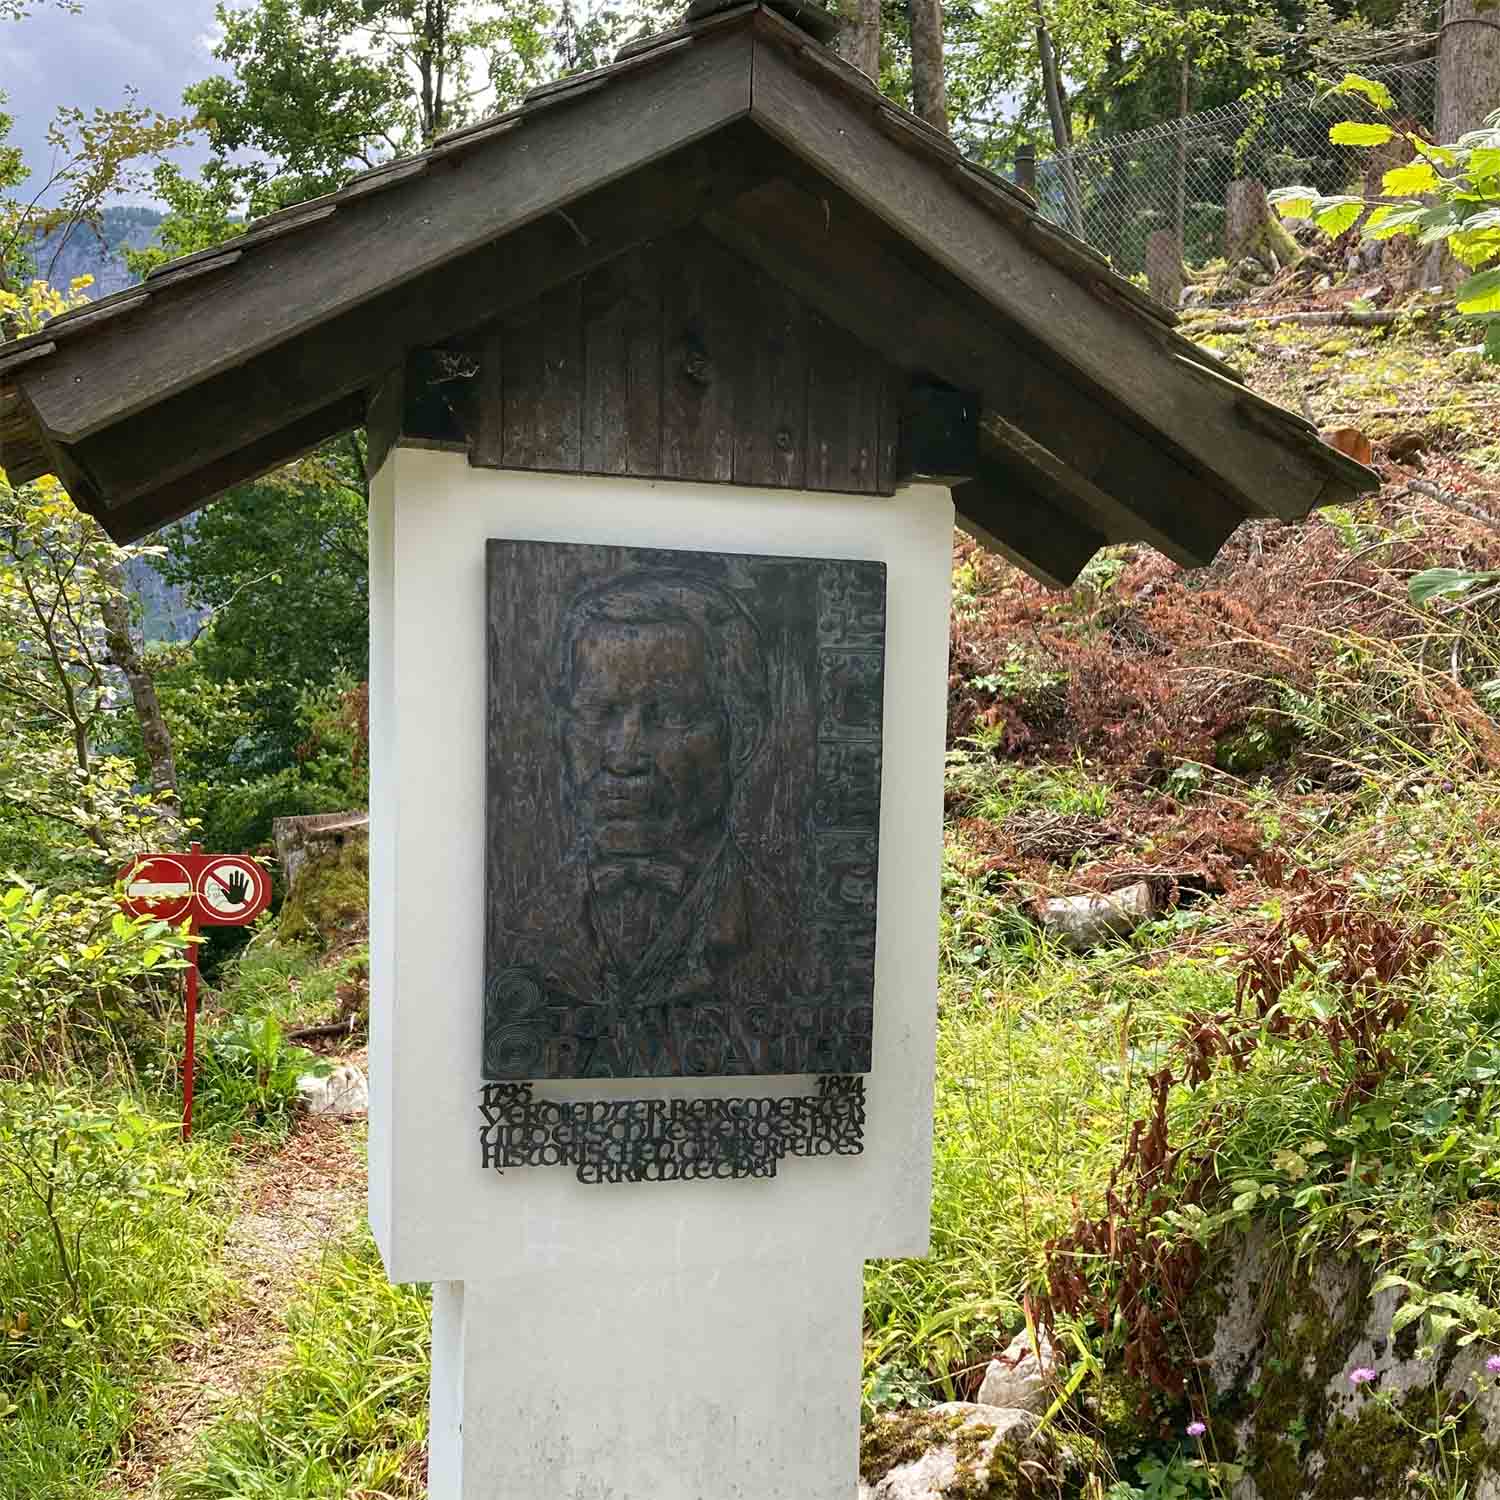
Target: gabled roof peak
(224, 364)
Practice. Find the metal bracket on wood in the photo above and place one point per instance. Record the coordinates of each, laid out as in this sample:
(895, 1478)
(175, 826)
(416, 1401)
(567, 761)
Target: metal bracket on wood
(939, 435)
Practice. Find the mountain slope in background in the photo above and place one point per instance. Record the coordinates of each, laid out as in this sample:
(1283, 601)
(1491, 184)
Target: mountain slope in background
(98, 251)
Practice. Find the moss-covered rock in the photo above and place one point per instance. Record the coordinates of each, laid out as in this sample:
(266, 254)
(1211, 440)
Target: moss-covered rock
(953, 1452)
(1262, 741)
(1285, 1339)
(329, 899)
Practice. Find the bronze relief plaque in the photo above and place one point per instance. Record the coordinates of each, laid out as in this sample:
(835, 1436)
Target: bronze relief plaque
(683, 812)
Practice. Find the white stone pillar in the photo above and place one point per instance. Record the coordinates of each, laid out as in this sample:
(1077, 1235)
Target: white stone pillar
(632, 1341)
(739, 1382)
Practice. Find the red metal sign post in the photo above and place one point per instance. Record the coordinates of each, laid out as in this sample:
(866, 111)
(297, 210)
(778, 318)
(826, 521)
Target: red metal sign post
(208, 890)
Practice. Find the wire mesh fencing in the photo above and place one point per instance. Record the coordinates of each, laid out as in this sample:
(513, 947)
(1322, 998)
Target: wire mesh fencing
(1173, 180)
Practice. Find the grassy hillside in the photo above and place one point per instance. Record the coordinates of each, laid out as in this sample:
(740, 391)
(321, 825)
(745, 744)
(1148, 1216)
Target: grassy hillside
(1304, 767)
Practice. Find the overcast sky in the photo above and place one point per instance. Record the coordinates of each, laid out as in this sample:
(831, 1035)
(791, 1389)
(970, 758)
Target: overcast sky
(54, 58)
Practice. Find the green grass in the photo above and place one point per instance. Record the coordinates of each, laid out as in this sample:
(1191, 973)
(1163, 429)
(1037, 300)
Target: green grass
(72, 1367)
(346, 1415)
(1042, 1057)
(287, 981)
(142, 1219)
(984, 787)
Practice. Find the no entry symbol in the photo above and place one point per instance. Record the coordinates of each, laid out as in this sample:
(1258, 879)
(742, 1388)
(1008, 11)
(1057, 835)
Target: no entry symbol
(208, 890)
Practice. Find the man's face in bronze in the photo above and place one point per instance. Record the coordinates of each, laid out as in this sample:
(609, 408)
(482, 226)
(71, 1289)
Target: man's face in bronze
(646, 748)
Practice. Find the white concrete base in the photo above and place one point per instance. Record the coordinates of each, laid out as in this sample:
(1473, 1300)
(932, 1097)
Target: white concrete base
(739, 1382)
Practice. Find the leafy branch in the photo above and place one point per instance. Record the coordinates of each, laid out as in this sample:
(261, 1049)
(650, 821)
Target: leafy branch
(1446, 195)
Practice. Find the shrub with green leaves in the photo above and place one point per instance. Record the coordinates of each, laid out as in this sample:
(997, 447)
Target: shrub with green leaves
(1446, 194)
(77, 1167)
(108, 1223)
(248, 1072)
(78, 979)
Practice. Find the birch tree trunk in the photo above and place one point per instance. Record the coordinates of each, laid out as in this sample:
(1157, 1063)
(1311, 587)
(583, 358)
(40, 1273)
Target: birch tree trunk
(859, 36)
(129, 657)
(928, 92)
(1062, 135)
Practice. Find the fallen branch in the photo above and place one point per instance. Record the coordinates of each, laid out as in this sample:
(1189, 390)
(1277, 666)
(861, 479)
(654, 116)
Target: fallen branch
(331, 1028)
(1453, 502)
(1453, 405)
(1344, 318)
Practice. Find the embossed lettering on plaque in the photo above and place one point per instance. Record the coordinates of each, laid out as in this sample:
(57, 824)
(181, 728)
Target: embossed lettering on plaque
(683, 812)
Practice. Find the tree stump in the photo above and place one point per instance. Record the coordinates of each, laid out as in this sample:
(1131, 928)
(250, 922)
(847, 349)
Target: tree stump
(1252, 230)
(1164, 266)
(1401, 257)
(300, 839)
(325, 862)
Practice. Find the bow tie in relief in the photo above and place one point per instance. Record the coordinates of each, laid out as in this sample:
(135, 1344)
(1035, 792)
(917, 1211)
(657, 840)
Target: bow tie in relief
(644, 874)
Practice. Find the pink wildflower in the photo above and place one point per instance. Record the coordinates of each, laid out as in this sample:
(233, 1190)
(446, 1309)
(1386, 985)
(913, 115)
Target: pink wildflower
(1196, 1429)
(1362, 1376)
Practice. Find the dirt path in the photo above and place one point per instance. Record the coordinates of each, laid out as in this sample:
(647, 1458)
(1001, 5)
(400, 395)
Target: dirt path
(295, 1203)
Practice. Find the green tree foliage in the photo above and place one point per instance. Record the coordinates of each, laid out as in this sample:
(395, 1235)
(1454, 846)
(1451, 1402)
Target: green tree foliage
(97, 155)
(282, 568)
(262, 704)
(234, 779)
(319, 88)
(18, 10)
(63, 796)
(1447, 194)
(75, 975)
(1120, 60)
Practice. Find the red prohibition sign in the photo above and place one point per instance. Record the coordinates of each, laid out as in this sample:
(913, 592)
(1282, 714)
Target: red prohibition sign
(208, 890)
(231, 890)
(157, 885)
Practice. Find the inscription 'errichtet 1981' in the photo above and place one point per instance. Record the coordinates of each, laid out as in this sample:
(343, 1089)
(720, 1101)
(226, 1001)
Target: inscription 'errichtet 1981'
(683, 812)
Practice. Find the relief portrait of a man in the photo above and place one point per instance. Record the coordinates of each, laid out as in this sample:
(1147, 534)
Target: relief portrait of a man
(655, 946)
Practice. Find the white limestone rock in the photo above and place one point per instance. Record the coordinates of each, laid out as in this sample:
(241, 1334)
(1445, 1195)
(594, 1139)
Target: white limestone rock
(965, 1440)
(1083, 922)
(1021, 1377)
(1327, 1313)
(344, 1092)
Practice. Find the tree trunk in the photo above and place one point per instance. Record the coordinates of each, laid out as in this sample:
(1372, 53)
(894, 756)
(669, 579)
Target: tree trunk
(1468, 66)
(929, 95)
(1252, 229)
(859, 36)
(1062, 136)
(128, 656)
(1164, 266)
(1179, 185)
(1468, 89)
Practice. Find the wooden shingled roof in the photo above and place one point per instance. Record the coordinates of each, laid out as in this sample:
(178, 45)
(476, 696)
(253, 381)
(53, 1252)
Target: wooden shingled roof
(1098, 421)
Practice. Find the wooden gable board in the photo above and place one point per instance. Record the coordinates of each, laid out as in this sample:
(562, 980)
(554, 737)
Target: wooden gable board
(381, 242)
(1144, 438)
(679, 359)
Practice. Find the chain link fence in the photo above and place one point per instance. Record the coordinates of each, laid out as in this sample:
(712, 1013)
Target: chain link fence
(1117, 192)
